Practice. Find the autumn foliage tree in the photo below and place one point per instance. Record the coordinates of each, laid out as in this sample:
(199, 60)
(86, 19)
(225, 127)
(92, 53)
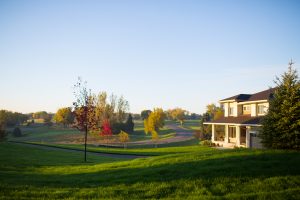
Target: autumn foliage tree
(124, 138)
(64, 116)
(213, 112)
(154, 122)
(84, 110)
(111, 108)
(106, 129)
(177, 114)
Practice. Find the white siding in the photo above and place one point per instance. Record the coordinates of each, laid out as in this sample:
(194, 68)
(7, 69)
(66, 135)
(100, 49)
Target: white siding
(226, 109)
(253, 110)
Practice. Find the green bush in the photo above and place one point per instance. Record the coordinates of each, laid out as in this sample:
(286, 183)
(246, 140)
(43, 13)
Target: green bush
(17, 132)
(206, 143)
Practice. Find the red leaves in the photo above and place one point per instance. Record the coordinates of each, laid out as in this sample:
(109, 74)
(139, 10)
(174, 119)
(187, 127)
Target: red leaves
(106, 129)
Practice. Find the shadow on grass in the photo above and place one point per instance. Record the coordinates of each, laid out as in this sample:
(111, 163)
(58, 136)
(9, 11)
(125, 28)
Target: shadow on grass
(224, 165)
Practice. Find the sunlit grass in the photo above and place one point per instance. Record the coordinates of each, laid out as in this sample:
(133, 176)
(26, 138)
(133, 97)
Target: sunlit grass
(195, 172)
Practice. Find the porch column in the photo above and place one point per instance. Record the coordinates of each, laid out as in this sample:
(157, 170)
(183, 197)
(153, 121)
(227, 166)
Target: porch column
(226, 134)
(238, 135)
(213, 133)
(248, 136)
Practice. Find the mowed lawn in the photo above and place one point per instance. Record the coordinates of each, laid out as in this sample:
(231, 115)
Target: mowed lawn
(198, 173)
(57, 134)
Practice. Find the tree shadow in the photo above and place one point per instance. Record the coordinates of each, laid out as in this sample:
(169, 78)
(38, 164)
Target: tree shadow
(250, 166)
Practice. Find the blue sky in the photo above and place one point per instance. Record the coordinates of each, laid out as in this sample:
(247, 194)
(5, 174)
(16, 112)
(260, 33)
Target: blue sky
(156, 53)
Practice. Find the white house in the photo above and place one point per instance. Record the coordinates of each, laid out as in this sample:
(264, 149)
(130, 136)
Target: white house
(242, 120)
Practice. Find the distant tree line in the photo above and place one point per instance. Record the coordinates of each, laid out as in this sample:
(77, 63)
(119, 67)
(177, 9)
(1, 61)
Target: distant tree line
(11, 119)
(176, 114)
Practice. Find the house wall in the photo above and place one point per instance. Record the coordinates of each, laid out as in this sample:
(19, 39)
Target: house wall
(225, 109)
(253, 110)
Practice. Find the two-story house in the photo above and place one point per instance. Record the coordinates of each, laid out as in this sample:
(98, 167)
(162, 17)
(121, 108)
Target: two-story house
(241, 123)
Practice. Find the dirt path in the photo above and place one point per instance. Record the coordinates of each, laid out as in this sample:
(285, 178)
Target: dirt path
(111, 155)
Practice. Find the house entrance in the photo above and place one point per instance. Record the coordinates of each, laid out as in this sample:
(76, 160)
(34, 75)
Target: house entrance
(243, 135)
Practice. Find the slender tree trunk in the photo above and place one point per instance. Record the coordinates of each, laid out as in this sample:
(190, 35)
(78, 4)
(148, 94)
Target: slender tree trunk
(85, 140)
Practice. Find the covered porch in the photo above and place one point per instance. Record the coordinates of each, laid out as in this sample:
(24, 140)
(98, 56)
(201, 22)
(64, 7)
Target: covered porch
(229, 135)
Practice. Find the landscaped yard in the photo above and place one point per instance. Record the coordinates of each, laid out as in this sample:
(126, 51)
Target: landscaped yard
(193, 172)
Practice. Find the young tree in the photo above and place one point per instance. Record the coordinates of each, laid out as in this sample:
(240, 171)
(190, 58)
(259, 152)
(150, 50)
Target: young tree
(281, 125)
(64, 116)
(84, 110)
(124, 138)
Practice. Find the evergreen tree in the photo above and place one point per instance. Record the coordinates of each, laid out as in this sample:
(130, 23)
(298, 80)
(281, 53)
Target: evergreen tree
(129, 124)
(281, 126)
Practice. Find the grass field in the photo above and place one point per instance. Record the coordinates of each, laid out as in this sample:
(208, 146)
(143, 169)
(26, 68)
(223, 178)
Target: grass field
(54, 134)
(184, 172)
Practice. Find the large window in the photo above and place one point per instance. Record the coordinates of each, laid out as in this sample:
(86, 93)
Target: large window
(232, 132)
(246, 109)
(261, 109)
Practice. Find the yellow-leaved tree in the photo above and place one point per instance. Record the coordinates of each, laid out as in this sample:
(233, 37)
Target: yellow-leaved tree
(124, 138)
(177, 114)
(154, 122)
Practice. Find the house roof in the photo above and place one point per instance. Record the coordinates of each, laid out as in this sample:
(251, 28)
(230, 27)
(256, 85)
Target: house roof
(263, 95)
(244, 119)
(239, 97)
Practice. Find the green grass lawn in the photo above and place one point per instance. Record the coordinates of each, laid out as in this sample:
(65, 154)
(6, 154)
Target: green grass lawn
(54, 134)
(189, 173)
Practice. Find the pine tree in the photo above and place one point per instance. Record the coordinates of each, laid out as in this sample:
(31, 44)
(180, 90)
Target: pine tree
(281, 126)
(129, 124)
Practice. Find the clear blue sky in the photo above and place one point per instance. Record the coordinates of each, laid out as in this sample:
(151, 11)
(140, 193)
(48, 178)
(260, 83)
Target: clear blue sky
(157, 53)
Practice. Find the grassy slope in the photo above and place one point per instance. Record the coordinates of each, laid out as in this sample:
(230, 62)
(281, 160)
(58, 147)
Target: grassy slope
(198, 173)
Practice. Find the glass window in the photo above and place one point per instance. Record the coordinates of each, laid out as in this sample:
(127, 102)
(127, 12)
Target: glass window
(261, 109)
(231, 110)
(231, 132)
(246, 108)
